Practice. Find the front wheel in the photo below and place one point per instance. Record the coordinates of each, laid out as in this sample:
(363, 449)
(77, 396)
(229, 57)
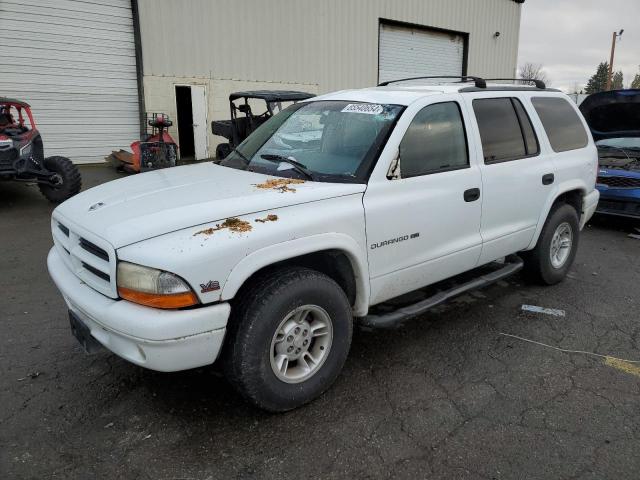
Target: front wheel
(66, 179)
(549, 262)
(288, 339)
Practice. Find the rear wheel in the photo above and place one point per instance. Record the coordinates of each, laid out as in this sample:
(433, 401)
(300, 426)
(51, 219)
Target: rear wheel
(66, 177)
(288, 338)
(549, 262)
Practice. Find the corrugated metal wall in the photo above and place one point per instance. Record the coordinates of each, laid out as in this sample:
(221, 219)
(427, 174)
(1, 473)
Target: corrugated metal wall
(331, 43)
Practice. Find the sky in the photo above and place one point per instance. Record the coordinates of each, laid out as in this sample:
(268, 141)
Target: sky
(571, 37)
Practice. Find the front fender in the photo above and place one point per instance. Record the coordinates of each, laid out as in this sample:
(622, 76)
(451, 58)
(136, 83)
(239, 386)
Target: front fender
(264, 257)
(215, 262)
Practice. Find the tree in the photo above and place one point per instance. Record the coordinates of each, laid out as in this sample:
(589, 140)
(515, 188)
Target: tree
(598, 81)
(636, 81)
(617, 81)
(533, 71)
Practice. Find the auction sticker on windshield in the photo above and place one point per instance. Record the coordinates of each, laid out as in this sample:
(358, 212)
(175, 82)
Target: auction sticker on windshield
(368, 108)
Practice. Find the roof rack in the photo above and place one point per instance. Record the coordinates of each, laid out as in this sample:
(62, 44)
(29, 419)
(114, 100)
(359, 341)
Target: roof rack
(538, 83)
(479, 82)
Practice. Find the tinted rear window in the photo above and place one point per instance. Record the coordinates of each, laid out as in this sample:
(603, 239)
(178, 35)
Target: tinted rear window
(561, 122)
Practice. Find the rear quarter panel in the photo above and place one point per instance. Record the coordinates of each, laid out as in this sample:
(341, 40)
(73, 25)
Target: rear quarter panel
(573, 170)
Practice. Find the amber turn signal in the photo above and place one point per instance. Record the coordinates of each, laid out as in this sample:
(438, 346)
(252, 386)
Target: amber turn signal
(167, 301)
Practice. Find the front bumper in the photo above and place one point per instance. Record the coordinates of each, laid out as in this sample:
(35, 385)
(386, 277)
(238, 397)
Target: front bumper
(623, 204)
(163, 340)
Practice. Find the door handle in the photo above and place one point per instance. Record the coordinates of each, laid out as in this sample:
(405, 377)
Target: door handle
(548, 179)
(471, 195)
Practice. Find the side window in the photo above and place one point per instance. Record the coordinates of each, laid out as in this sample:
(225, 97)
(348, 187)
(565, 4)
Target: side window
(434, 142)
(505, 129)
(561, 122)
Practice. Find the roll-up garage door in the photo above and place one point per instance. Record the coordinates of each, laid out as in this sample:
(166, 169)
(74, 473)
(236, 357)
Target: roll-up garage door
(74, 62)
(410, 52)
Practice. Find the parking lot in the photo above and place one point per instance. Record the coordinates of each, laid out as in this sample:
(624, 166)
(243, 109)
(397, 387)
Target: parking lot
(446, 396)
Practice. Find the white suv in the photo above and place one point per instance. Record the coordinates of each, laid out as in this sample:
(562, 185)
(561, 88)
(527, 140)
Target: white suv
(329, 209)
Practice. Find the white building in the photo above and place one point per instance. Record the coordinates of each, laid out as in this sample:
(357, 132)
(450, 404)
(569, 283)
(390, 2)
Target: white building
(89, 68)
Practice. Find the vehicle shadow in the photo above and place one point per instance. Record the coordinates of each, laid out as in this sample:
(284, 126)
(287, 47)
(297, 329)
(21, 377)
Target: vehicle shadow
(204, 394)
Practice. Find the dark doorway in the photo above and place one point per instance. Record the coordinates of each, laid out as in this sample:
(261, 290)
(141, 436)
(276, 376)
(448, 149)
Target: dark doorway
(185, 122)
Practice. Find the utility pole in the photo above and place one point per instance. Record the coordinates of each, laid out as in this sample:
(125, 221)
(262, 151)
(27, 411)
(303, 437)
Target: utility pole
(616, 35)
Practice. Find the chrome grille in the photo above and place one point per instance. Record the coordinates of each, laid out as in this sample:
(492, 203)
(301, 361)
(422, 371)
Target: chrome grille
(619, 182)
(87, 256)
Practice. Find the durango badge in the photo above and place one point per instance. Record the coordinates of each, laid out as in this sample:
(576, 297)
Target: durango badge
(210, 286)
(394, 240)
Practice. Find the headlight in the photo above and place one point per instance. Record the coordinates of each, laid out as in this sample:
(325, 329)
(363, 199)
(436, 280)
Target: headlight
(152, 287)
(26, 150)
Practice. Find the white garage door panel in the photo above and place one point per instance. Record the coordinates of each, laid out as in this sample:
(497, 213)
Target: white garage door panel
(77, 69)
(35, 16)
(55, 66)
(93, 83)
(55, 39)
(37, 70)
(120, 49)
(103, 7)
(78, 31)
(67, 9)
(409, 52)
(58, 54)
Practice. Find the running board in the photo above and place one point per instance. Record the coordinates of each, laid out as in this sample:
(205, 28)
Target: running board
(512, 264)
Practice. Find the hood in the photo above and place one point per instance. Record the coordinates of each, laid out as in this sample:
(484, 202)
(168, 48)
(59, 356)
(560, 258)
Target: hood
(146, 205)
(613, 114)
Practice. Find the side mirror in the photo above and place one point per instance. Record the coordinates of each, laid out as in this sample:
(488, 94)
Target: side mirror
(244, 108)
(394, 172)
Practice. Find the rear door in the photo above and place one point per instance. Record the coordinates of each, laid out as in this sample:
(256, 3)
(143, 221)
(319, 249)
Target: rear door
(423, 217)
(517, 178)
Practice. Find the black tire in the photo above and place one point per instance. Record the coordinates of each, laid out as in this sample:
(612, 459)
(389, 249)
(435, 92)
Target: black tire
(222, 151)
(255, 319)
(538, 265)
(69, 176)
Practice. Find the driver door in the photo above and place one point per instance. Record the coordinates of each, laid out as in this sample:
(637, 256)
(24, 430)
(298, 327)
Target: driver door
(423, 217)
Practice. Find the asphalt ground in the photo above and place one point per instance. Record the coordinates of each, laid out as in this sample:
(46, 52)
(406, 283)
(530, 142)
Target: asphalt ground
(446, 396)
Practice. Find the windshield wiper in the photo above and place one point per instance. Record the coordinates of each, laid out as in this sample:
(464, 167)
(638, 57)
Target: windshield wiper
(298, 167)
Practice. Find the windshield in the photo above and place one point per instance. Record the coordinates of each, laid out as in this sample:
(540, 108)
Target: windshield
(332, 140)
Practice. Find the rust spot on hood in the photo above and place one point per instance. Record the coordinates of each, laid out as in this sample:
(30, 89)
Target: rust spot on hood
(268, 218)
(281, 184)
(233, 224)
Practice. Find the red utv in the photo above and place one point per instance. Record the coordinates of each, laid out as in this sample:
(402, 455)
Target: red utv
(22, 154)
